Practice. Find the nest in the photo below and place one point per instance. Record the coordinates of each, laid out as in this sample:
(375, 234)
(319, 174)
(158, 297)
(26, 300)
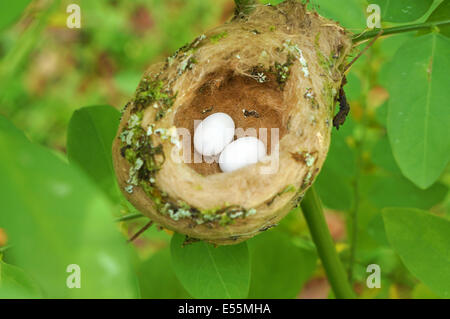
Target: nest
(278, 68)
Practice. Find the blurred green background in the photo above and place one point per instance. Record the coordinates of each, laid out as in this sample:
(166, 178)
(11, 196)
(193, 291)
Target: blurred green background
(53, 70)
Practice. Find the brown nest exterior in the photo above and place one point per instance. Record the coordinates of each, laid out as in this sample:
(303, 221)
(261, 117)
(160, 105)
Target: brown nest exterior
(279, 67)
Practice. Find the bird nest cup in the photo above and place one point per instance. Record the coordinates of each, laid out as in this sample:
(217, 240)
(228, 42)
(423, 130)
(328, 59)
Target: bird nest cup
(276, 72)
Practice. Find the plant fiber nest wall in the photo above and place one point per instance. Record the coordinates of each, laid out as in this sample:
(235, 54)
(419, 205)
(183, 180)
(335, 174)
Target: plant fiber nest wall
(277, 67)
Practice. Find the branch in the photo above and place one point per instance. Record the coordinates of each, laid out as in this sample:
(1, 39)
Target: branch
(313, 212)
(363, 36)
(142, 230)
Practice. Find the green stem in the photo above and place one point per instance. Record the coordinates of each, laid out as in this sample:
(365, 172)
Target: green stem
(129, 217)
(313, 212)
(361, 37)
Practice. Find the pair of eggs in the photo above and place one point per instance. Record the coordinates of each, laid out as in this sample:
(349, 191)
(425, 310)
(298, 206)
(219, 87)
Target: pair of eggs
(214, 136)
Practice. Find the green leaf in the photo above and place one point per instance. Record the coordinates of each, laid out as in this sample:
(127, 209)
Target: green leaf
(384, 190)
(353, 88)
(335, 192)
(389, 45)
(421, 291)
(423, 242)
(418, 114)
(334, 181)
(89, 141)
(382, 156)
(211, 272)
(375, 229)
(10, 12)
(279, 268)
(7, 126)
(54, 217)
(441, 13)
(402, 10)
(128, 81)
(381, 114)
(392, 189)
(157, 280)
(15, 283)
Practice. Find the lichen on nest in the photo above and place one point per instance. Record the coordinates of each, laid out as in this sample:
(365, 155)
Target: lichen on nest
(146, 157)
(281, 63)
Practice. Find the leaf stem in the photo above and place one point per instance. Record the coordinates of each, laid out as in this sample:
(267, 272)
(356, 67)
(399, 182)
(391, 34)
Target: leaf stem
(363, 36)
(313, 212)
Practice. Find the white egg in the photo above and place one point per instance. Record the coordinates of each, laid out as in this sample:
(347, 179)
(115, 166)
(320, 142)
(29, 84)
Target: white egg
(213, 134)
(241, 152)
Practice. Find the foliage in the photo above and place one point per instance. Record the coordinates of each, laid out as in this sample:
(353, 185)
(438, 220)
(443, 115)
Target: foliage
(442, 12)
(279, 267)
(211, 272)
(55, 218)
(89, 141)
(418, 113)
(11, 11)
(402, 10)
(157, 280)
(423, 242)
(15, 283)
(384, 184)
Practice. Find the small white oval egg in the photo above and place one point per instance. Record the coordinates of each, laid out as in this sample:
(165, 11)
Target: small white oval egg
(213, 134)
(241, 152)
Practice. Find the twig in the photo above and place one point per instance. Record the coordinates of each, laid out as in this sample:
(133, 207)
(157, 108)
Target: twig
(143, 229)
(363, 36)
(347, 67)
(313, 212)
